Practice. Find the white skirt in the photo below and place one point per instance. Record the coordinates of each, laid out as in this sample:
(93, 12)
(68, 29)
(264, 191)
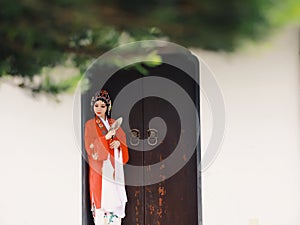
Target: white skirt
(113, 198)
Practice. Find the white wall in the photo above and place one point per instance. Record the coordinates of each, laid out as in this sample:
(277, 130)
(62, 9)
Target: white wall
(255, 178)
(39, 163)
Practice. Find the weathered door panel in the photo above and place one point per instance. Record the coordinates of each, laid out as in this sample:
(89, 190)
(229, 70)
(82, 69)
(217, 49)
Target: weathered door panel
(174, 200)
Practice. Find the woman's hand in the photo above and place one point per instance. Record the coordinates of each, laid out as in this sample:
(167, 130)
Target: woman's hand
(114, 144)
(110, 134)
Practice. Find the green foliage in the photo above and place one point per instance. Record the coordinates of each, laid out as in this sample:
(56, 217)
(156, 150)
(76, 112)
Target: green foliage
(208, 24)
(38, 34)
(285, 12)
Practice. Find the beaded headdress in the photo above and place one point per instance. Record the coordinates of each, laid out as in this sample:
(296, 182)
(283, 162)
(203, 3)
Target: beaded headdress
(103, 96)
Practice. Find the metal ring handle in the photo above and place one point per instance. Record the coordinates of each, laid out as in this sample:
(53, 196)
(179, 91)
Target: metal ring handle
(134, 137)
(152, 137)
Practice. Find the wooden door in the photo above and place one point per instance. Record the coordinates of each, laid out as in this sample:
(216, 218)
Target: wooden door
(161, 199)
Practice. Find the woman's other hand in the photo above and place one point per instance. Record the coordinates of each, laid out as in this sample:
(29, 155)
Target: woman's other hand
(114, 144)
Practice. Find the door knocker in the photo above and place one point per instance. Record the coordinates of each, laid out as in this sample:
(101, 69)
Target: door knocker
(134, 137)
(152, 137)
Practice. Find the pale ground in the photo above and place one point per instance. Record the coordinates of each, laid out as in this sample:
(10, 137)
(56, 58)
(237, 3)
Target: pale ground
(254, 180)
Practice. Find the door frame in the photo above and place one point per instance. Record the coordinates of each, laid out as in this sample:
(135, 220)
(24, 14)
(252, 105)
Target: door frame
(87, 219)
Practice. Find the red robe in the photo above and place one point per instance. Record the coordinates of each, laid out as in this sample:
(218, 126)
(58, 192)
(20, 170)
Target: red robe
(95, 134)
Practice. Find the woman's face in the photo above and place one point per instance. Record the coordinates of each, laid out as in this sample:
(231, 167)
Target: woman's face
(100, 109)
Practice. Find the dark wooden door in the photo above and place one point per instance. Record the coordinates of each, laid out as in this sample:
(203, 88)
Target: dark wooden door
(164, 193)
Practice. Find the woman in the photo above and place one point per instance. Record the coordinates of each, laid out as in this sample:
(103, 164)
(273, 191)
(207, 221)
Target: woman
(107, 152)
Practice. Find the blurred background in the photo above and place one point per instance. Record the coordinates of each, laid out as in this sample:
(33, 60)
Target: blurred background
(252, 47)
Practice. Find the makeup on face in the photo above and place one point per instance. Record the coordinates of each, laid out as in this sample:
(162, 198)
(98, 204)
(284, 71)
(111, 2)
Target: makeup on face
(100, 109)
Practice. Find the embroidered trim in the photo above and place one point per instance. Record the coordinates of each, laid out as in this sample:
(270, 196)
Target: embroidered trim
(100, 125)
(110, 217)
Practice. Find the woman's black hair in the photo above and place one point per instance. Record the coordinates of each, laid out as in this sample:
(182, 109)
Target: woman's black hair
(104, 97)
(108, 112)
